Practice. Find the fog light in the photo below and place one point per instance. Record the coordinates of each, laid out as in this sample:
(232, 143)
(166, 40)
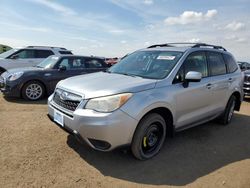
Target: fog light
(99, 144)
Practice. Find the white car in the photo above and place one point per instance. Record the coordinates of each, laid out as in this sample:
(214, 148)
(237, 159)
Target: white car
(29, 56)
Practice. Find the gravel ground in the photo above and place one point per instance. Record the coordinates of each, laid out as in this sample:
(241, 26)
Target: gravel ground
(36, 153)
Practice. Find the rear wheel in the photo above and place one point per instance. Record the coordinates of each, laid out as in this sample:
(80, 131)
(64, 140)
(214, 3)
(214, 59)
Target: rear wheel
(33, 91)
(227, 115)
(149, 137)
(2, 71)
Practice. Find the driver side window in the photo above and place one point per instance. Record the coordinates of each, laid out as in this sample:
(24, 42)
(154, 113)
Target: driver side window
(194, 62)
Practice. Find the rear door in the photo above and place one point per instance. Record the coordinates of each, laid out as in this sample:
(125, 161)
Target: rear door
(40, 55)
(220, 81)
(192, 103)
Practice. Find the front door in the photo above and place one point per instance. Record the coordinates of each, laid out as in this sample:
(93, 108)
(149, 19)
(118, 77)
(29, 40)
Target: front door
(192, 103)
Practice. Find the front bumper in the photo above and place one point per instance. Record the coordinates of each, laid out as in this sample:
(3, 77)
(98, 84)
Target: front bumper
(10, 89)
(246, 88)
(115, 129)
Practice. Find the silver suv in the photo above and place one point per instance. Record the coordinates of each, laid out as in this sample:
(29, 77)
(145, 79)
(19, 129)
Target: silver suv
(149, 95)
(28, 56)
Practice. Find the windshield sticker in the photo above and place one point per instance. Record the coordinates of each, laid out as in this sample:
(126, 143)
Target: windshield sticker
(163, 57)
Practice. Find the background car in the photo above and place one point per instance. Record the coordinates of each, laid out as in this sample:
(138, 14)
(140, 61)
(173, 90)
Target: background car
(111, 61)
(29, 56)
(244, 66)
(246, 86)
(33, 83)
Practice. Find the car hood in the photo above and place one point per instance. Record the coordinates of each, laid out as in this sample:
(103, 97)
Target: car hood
(103, 84)
(24, 69)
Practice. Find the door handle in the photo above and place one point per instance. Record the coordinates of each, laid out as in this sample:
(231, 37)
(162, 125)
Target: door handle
(209, 86)
(230, 79)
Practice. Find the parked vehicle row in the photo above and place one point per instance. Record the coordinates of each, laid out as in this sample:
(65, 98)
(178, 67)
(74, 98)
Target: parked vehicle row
(33, 83)
(27, 57)
(149, 95)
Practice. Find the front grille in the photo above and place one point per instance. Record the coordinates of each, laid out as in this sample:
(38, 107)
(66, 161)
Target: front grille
(66, 102)
(247, 78)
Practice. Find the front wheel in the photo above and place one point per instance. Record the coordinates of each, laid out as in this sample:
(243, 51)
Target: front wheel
(149, 137)
(33, 91)
(227, 115)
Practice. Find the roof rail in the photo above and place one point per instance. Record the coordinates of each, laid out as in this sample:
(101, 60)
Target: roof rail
(198, 45)
(46, 47)
(160, 45)
(192, 45)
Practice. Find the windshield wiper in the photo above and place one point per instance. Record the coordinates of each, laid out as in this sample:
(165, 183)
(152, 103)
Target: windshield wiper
(127, 74)
(38, 66)
(107, 71)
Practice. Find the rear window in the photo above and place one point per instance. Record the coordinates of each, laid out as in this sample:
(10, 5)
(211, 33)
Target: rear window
(230, 62)
(43, 53)
(216, 64)
(65, 52)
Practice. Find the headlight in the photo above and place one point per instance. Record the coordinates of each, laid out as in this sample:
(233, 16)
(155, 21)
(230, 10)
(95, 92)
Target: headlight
(15, 76)
(109, 103)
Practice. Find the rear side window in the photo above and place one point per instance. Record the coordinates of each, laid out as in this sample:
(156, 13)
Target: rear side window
(216, 64)
(43, 53)
(230, 62)
(94, 63)
(66, 52)
(72, 63)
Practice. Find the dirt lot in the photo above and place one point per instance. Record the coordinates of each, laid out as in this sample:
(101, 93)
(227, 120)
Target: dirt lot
(36, 153)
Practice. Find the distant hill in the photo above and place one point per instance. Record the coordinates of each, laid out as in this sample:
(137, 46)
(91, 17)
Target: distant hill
(4, 48)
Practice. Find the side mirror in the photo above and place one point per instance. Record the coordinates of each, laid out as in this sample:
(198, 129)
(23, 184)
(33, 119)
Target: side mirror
(14, 56)
(192, 76)
(62, 68)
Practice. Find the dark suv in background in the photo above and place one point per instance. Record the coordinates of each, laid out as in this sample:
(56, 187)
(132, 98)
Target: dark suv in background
(32, 83)
(245, 67)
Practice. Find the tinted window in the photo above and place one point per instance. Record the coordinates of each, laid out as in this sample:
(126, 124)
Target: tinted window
(65, 52)
(94, 63)
(216, 64)
(24, 54)
(231, 63)
(43, 53)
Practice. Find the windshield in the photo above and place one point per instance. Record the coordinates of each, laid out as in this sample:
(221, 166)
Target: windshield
(147, 64)
(49, 62)
(8, 53)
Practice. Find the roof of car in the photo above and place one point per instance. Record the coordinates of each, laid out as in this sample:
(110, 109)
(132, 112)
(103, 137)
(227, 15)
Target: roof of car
(76, 56)
(46, 47)
(182, 47)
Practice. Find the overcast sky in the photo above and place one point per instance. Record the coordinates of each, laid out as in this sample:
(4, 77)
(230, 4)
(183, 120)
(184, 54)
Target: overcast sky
(117, 27)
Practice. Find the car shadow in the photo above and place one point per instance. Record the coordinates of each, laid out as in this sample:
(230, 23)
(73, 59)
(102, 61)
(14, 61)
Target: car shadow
(190, 155)
(22, 101)
(247, 99)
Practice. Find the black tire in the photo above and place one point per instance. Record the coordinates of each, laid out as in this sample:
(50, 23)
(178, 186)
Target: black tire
(227, 115)
(149, 137)
(33, 91)
(2, 71)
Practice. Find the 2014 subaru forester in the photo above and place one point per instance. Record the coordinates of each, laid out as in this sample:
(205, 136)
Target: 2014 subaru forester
(148, 95)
